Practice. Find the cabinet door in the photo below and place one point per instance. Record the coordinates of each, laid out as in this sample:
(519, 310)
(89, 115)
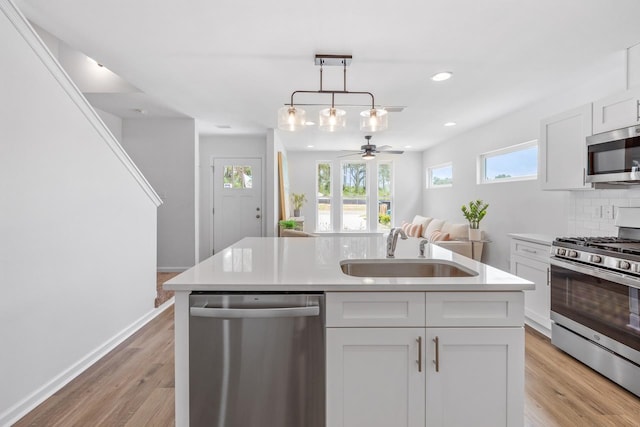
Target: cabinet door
(616, 111)
(373, 378)
(562, 149)
(537, 303)
(475, 377)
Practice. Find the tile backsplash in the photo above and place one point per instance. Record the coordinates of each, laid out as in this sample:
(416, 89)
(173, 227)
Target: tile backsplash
(592, 213)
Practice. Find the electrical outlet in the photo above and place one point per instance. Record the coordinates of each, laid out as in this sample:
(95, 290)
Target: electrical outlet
(607, 212)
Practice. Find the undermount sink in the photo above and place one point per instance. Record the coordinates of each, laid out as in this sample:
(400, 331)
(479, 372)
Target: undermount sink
(404, 268)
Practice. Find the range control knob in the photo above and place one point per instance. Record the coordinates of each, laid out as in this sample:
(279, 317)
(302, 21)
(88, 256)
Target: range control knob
(624, 265)
(596, 259)
(573, 254)
(561, 251)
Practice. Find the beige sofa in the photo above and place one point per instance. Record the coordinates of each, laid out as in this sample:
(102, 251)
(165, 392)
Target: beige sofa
(452, 236)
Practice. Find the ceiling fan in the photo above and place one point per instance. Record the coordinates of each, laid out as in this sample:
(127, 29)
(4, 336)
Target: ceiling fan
(369, 151)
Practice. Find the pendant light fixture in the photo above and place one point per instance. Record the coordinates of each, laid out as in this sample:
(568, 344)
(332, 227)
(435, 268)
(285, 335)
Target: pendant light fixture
(292, 117)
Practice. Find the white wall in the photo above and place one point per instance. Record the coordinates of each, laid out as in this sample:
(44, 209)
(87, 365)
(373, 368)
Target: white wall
(77, 229)
(114, 123)
(164, 149)
(515, 207)
(406, 174)
(219, 146)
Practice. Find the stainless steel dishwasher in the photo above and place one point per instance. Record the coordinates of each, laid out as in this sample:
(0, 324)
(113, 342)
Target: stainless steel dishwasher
(256, 360)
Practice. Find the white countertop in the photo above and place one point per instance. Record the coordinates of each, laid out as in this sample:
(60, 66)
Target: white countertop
(543, 239)
(313, 264)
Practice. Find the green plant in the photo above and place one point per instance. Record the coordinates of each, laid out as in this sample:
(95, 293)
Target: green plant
(384, 219)
(288, 223)
(298, 200)
(475, 212)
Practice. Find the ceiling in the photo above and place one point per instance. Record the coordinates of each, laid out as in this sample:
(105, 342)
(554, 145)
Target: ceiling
(235, 62)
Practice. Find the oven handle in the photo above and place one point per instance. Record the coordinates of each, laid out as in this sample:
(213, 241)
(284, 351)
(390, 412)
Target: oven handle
(615, 277)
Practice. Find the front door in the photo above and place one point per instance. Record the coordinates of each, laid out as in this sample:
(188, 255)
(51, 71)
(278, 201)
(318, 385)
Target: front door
(237, 200)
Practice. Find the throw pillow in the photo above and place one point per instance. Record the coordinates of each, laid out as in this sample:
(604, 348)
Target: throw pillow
(435, 225)
(414, 230)
(405, 227)
(438, 236)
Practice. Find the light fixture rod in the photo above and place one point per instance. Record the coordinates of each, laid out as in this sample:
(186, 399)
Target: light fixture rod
(333, 92)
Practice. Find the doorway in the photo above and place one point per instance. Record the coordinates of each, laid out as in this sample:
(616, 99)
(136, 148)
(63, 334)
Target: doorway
(237, 201)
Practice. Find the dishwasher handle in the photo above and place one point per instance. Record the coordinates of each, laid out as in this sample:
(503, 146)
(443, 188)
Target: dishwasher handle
(255, 313)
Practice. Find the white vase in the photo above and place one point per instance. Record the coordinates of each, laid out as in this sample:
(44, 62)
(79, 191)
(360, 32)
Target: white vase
(475, 234)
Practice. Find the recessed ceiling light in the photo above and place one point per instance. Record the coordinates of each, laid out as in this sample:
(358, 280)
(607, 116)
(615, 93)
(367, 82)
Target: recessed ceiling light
(442, 76)
(309, 123)
(448, 124)
(407, 146)
(309, 146)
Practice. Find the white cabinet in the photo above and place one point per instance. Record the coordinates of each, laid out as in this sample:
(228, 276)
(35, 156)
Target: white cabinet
(562, 149)
(398, 376)
(373, 378)
(616, 111)
(475, 377)
(530, 261)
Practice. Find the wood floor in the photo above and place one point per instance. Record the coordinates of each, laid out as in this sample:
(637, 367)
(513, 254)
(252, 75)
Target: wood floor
(133, 386)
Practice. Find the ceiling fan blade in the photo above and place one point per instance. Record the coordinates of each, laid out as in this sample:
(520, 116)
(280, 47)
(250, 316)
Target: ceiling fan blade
(384, 148)
(389, 152)
(353, 153)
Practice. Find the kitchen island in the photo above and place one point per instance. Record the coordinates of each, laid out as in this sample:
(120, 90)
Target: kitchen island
(458, 340)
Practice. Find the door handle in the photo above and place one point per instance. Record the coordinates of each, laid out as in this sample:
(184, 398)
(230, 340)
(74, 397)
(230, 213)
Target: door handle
(255, 313)
(419, 340)
(437, 361)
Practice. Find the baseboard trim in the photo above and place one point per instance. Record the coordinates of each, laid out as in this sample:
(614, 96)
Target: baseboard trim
(29, 403)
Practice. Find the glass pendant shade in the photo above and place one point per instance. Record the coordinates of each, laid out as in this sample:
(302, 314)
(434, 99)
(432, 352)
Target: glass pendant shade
(291, 118)
(374, 120)
(332, 119)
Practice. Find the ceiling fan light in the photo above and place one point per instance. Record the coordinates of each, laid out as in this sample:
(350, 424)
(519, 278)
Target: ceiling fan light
(368, 155)
(374, 120)
(291, 118)
(332, 119)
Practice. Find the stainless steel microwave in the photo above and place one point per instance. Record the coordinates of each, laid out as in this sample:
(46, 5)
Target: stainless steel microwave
(614, 157)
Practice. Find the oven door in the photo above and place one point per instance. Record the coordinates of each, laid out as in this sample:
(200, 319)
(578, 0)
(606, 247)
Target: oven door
(600, 305)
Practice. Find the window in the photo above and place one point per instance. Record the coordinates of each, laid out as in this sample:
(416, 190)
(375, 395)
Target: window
(516, 163)
(385, 195)
(440, 176)
(354, 196)
(237, 177)
(323, 196)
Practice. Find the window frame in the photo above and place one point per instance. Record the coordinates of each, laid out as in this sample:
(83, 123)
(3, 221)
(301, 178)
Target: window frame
(481, 162)
(429, 175)
(391, 192)
(367, 195)
(330, 196)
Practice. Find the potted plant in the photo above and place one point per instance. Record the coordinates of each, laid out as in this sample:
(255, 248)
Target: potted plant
(298, 201)
(474, 213)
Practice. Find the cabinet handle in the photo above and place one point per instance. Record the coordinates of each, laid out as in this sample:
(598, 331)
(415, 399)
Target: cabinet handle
(419, 354)
(531, 251)
(437, 361)
(637, 110)
(548, 276)
(584, 176)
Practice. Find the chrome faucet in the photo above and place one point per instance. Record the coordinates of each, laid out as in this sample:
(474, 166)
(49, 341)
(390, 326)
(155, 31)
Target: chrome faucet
(423, 242)
(392, 239)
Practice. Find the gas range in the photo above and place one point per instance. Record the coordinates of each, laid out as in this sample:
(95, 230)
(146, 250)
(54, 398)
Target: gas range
(612, 253)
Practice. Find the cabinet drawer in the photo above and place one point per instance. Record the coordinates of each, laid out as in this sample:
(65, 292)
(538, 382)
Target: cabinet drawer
(375, 309)
(474, 309)
(530, 250)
